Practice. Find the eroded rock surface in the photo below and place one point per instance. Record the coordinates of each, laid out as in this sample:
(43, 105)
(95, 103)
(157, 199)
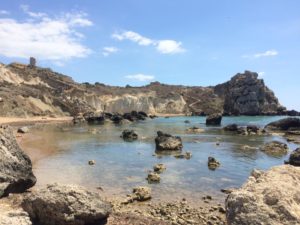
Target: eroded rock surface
(167, 142)
(275, 148)
(270, 197)
(16, 174)
(286, 124)
(66, 205)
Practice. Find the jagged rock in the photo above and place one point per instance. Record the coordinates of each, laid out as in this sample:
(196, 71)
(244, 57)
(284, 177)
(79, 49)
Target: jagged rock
(245, 94)
(16, 174)
(270, 197)
(275, 148)
(65, 205)
(153, 177)
(294, 158)
(231, 127)
(23, 130)
(213, 163)
(286, 124)
(194, 130)
(129, 135)
(214, 119)
(159, 168)
(141, 194)
(167, 142)
(95, 119)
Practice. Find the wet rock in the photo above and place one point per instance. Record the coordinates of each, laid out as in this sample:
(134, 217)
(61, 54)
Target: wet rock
(286, 124)
(294, 158)
(185, 155)
(242, 131)
(269, 199)
(141, 193)
(194, 130)
(153, 177)
(78, 119)
(213, 163)
(16, 174)
(252, 129)
(247, 147)
(65, 205)
(231, 127)
(23, 130)
(159, 168)
(92, 162)
(187, 121)
(129, 135)
(117, 119)
(167, 142)
(275, 148)
(214, 119)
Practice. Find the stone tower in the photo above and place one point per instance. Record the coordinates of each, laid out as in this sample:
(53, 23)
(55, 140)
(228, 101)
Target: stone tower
(32, 62)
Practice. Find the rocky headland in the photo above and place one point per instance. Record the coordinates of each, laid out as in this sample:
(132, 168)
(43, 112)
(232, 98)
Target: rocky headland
(34, 91)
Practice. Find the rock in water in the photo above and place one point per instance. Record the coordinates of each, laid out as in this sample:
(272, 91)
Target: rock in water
(270, 197)
(153, 177)
(214, 119)
(129, 135)
(295, 158)
(15, 166)
(286, 124)
(212, 163)
(65, 205)
(159, 168)
(231, 127)
(167, 142)
(275, 148)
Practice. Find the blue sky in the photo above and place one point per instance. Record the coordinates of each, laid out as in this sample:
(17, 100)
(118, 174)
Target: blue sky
(135, 42)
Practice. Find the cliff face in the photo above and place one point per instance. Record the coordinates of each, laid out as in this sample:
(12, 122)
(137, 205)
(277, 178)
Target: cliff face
(27, 91)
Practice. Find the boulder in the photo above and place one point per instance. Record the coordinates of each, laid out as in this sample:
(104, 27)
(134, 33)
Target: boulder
(294, 158)
(153, 177)
(129, 135)
(214, 119)
(290, 123)
(65, 205)
(270, 197)
(168, 142)
(159, 168)
(212, 163)
(23, 130)
(231, 127)
(16, 174)
(275, 148)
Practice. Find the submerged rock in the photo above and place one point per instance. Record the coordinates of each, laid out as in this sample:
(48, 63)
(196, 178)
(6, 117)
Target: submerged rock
(275, 148)
(16, 174)
(286, 124)
(270, 197)
(213, 163)
(65, 205)
(167, 142)
(129, 135)
(159, 168)
(231, 127)
(194, 130)
(294, 158)
(214, 119)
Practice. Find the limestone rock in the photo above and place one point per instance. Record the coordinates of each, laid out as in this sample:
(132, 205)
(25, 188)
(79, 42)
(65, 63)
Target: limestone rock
(269, 198)
(214, 119)
(153, 177)
(65, 205)
(275, 148)
(15, 166)
(167, 142)
(286, 124)
(295, 158)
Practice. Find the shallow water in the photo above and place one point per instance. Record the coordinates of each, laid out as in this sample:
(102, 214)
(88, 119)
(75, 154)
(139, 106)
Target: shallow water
(60, 154)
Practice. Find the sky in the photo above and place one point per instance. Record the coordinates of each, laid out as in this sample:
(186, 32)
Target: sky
(188, 42)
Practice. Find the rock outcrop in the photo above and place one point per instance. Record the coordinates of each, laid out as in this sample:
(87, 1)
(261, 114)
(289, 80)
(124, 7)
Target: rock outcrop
(294, 158)
(66, 205)
(245, 94)
(290, 123)
(275, 148)
(270, 197)
(16, 174)
(167, 142)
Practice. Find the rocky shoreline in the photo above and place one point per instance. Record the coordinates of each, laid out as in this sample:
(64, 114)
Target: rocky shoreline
(39, 206)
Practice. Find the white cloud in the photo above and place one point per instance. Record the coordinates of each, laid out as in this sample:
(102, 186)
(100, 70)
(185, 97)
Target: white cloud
(261, 74)
(169, 47)
(262, 54)
(4, 12)
(140, 77)
(162, 46)
(44, 37)
(266, 53)
(106, 51)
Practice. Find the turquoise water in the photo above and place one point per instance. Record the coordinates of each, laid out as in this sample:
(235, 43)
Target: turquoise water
(120, 165)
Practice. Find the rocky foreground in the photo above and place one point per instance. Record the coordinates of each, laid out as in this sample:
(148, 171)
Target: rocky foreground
(42, 92)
